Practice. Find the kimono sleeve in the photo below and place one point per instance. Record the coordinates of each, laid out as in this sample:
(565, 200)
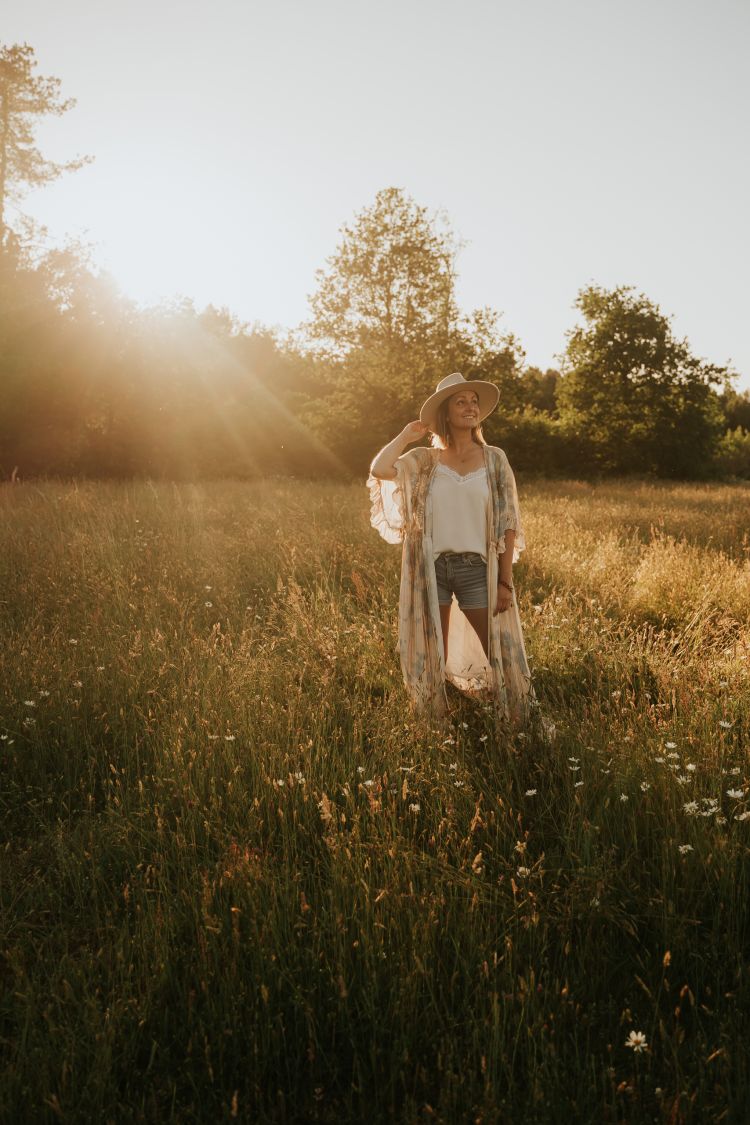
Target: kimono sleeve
(387, 514)
(510, 513)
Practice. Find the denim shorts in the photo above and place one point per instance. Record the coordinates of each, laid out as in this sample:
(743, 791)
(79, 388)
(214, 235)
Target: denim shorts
(463, 574)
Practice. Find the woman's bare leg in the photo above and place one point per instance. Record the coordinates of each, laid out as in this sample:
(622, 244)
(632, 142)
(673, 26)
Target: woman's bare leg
(478, 620)
(445, 613)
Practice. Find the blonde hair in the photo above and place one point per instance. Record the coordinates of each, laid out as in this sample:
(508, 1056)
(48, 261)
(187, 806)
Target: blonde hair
(441, 432)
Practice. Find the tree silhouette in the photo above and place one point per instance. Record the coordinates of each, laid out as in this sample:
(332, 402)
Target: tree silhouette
(25, 97)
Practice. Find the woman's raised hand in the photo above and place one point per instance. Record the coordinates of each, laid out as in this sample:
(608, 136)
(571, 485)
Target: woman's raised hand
(383, 467)
(413, 431)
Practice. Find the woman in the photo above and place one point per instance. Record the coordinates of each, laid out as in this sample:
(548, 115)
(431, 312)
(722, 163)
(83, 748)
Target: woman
(455, 509)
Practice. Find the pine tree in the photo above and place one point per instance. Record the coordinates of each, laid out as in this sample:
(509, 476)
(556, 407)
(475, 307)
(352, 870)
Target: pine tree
(24, 98)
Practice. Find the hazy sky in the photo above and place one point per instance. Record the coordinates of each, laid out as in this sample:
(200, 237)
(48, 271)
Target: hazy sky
(568, 141)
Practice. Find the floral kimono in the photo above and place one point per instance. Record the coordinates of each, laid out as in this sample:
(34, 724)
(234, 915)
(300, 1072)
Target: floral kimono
(402, 512)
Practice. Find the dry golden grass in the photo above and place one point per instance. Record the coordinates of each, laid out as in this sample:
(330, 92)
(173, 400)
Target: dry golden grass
(240, 880)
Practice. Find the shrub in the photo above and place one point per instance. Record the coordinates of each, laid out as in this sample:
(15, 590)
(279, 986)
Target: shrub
(733, 456)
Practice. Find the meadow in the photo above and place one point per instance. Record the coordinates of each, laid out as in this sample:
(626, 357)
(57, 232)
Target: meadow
(240, 880)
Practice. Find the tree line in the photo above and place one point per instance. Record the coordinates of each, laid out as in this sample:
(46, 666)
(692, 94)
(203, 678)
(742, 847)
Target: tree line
(93, 385)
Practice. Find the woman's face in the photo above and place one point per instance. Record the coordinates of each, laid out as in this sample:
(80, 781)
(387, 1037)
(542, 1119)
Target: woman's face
(463, 410)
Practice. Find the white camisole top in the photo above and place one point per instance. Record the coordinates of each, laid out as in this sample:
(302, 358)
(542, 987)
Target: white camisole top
(459, 511)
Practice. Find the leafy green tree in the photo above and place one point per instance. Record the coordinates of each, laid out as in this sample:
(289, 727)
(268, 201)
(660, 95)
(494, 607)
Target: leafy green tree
(733, 457)
(636, 395)
(386, 327)
(24, 98)
(539, 389)
(384, 322)
(736, 407)
(391, 281)
(39, 404)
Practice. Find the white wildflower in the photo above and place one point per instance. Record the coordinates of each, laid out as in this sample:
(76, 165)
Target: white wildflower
(645, 786)
(531, 792)
(415, 807)
(29, 703)
(522, 872)
(637, 1042)
(624, 797)
(683, 849)
(671, 746)
(736, 794)
(690, 807)
(724, 724)
(743, 815)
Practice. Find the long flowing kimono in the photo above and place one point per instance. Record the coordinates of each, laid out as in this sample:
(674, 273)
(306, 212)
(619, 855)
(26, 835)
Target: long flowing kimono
(402, 513)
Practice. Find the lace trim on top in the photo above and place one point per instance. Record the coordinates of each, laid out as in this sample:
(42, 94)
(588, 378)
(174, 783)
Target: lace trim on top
(462, 476)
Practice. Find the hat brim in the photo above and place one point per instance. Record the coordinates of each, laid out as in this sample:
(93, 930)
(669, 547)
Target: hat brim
(487, 393)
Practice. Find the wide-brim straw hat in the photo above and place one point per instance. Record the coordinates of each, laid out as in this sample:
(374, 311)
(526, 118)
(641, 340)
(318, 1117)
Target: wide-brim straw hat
(487, 393)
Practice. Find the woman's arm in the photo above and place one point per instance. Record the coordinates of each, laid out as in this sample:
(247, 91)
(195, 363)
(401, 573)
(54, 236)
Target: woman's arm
(510, 527)
(384, 465)
(505, 573)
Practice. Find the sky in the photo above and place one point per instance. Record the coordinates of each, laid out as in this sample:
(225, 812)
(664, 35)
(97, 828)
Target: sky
(568, 142)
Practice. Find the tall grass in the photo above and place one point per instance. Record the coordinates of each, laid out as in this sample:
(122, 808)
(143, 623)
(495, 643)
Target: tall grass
(239, 880)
